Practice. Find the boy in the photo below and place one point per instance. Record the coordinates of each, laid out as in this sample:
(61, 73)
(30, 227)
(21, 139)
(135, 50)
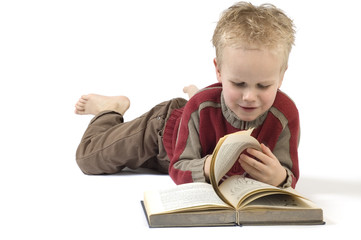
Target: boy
(252, 48)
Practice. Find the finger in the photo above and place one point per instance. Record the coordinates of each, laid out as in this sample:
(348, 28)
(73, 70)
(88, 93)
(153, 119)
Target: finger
(253, 172)
(267, 151)
(259, 155)
(251, 162)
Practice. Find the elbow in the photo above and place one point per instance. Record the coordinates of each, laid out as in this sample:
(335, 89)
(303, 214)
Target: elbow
(180, 177)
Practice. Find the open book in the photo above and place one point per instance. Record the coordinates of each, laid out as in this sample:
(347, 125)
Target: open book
(235, 201)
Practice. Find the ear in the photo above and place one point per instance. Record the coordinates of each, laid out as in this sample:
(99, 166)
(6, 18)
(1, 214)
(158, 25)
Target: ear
(218, 71)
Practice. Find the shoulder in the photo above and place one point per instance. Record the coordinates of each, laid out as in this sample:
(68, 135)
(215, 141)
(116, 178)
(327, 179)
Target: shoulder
(284, 108)
(208, 96)
(212, 92)
(285, 104)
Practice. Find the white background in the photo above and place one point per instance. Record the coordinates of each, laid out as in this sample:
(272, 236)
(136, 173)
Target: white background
(52, 52)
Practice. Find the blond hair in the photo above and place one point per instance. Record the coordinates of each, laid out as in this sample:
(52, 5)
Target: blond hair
(250, 27)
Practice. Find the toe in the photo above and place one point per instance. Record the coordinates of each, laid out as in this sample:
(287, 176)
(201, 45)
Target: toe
(79, 107)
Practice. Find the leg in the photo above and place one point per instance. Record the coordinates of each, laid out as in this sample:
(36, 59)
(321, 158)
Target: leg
(109, 144)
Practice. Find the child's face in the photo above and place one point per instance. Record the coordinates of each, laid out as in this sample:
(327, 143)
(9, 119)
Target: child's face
(250, 80)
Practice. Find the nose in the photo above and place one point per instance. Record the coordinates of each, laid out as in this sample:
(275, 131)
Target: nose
(249, 95)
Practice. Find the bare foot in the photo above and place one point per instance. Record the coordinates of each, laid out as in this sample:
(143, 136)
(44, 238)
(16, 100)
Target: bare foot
(190, 90)
(94, 104)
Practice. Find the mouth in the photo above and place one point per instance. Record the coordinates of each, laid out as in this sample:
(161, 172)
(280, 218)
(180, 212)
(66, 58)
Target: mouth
(248, 109)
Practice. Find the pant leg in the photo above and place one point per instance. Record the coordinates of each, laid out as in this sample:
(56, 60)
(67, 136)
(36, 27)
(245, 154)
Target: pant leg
(109, 144)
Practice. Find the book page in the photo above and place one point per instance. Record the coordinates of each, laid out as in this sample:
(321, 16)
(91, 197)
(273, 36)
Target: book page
(280, 201)
(228, 151)
(189, 196)
(237, 188)
(241, 191)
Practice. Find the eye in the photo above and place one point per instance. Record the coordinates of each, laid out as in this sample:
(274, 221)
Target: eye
(239, 84)
(262, 86)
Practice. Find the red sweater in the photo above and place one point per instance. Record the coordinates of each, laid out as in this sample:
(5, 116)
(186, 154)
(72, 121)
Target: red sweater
(192, 132)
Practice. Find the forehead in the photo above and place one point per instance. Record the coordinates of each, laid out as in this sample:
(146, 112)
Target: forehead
(251, 60)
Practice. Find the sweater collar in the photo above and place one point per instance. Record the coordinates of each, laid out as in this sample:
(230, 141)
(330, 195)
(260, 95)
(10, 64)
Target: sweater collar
(234, 120)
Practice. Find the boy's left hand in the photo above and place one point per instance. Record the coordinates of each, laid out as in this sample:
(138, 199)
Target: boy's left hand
(263, 166)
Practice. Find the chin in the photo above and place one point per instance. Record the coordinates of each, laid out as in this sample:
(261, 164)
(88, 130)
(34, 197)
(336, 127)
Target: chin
(246, 118)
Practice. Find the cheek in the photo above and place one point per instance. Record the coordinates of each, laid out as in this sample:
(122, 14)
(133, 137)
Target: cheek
(268, 98)
(231, 96)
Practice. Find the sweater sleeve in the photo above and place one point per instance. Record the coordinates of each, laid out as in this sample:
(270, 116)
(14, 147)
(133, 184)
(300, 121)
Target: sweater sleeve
(187, 163)
(286, 147)
(196, 135)
(284, 153)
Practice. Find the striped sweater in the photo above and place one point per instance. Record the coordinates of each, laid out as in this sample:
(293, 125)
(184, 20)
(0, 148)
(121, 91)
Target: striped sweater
(192, 132)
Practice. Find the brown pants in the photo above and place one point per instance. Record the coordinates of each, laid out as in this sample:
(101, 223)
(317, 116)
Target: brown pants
(109, 144)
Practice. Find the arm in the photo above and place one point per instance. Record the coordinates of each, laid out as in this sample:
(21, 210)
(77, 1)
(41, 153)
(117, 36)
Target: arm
(187, 163)
(200, 127)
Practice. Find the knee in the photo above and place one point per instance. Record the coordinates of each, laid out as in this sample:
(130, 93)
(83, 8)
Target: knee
(85, 163)
(84, 166)
(94, 165)
(84, 158)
